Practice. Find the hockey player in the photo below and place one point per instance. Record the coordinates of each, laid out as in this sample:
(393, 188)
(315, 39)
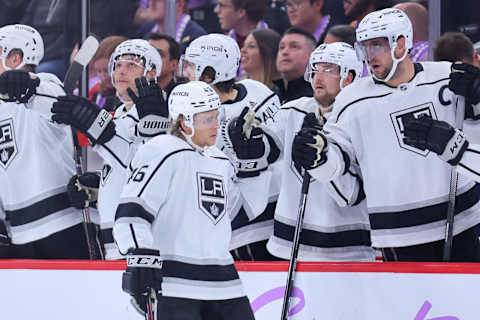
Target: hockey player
(335, 225)
(134, 66)
(214, 59)
(183, 237)
(406, 195)
(36, 156)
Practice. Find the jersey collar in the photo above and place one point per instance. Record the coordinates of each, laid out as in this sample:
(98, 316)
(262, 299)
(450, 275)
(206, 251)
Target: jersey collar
(417, 68)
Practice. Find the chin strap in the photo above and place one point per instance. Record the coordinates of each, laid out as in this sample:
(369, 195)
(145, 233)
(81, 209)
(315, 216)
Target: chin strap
(394, 66)
(195, 146)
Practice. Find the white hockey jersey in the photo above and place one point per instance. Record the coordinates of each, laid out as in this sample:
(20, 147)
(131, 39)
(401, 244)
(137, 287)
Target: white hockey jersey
(265, 102)
(179, 201)
(406, 188)
(335, 225)
(36, 163)
(117, 154)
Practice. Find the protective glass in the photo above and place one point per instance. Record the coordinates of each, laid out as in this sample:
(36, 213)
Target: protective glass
(327, 69)
(206, 120)
(186, 68)
(131, 63)
(369, 49)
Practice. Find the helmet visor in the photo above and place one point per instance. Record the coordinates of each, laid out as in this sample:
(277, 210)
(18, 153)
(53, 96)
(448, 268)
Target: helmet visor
(369, 49)
(186, 69)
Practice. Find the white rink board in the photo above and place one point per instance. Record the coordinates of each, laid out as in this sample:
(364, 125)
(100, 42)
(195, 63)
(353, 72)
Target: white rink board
(96, 294)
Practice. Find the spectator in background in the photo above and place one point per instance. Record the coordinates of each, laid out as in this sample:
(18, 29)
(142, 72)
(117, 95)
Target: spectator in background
(169, 50)
(186, 29)
(258, 56)
(240, 17)
(340, 33)
(202, 11)
(276, 16)
(309, 15)
(418, 15)
(453, 47)
(103, 93)
(355, 10)
(294, 51)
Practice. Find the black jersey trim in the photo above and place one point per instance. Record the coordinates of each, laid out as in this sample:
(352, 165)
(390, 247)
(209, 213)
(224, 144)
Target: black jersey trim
(339, 193)
(122, 138)
(158, 166)
(107, 235)
(472, 150)
(294, 108)
(264, 101)
(433, 82)
(134, 236)
(211, 272)
(115, 156)
(133, 210)
(425, 215)
(241, 219)
(345, 156)
(361, 99)
(319, 239)
(468, 169)
(38, 210)
(132, 117)
(241, 93)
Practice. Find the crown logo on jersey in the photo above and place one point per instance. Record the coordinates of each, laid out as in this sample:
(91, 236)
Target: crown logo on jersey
(8, 146)
(400, 116)
(211, 196)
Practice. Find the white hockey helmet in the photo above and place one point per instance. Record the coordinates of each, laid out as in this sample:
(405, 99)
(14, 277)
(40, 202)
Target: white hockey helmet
(339, 53)
(140, 48)
(25, 38)
(191, 98)
(213, 50)
(387, 23)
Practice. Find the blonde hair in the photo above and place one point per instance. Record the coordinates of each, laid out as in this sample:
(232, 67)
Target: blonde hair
(176, 127)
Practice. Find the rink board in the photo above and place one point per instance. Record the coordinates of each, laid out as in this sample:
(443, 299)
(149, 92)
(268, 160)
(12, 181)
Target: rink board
(92, 290)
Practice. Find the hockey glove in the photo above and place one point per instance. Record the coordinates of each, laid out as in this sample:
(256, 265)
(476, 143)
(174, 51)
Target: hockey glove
(85, 116)
(143, 274)
(151, 107)
(83, 190)
(465, 81)
(4, 238)
(17, 86)
(309, 148)
(250, 144)
(311, 121)
(437, 136)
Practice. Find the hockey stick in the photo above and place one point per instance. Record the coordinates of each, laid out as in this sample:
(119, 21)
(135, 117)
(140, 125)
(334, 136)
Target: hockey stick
(447, 248)
(74, 73)
(296, 244)
(152, 301)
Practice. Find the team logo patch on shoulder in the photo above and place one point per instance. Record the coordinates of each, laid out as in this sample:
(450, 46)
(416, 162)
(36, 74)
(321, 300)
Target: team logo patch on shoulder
(211, 196)
(398, 118)
(8, 146)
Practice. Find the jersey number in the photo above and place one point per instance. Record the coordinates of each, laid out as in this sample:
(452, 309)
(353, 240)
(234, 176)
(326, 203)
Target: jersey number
(138, 174)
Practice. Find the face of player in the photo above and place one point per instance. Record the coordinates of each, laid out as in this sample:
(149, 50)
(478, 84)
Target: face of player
(354, 9)
(326, 83)
(101, 69)
(188, 70)
(303, 12)
(127, 69)
(293, 54)
(227, 15)
(12, 62)
(378, 55)
(206, 127)
(251, 58)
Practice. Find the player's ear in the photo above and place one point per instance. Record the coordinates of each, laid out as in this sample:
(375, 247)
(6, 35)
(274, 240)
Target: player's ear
(348, 79)
(400, 49)
(185, 129)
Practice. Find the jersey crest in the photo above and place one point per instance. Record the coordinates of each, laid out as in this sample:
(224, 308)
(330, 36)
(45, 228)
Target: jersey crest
(211, 196)
(398, 118)
(8, 146)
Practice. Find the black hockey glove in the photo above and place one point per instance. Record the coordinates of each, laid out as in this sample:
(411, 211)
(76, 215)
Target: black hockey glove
(311, 121)
(250, 144)
(17, 86)
(85, 116)
(143, 274)
(437, 136)
(151, 107)
(83, 190)
(309, 148)
(465, 81)
(4, 238)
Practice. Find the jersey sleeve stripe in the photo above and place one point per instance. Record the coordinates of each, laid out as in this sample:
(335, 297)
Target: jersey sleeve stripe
(114, 155)
(133, 210)
(433, 82)
(469, 169)
(264, 101)
(134, 236)
(294, 108)
(358, 100)
(158, 167)
(38, 210)
(132, 117)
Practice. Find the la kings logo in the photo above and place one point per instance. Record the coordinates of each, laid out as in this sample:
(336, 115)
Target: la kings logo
(8, 146)
(399, 117)
(211, 196)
